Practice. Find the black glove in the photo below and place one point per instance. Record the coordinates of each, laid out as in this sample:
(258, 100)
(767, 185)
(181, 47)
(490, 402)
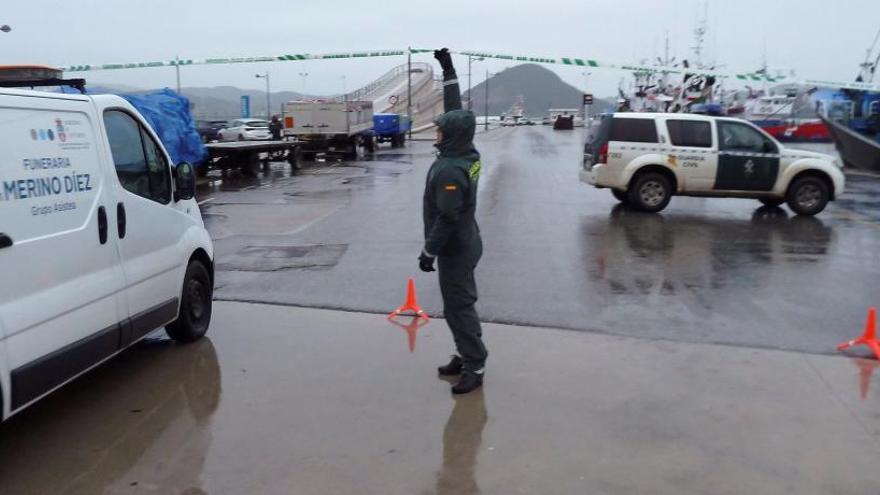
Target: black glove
(444, 58)
(426, 263)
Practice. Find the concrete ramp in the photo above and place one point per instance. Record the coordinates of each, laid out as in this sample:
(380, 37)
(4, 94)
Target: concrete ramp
(389, 93)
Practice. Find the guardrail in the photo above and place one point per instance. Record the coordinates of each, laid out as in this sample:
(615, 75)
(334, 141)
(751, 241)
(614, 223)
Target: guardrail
(374, 87)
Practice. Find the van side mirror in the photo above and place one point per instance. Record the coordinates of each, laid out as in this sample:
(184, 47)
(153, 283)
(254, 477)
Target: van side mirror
(184, 181)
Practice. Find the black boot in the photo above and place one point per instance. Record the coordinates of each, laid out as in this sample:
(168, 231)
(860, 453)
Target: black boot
(451, 369)
(468, 383)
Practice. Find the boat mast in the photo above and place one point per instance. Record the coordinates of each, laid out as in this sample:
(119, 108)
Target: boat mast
(868, 68)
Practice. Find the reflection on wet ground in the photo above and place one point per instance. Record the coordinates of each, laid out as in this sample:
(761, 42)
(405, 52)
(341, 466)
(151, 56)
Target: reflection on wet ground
(556, 252)
(140, 423)
(281, 400)
(642, 253)
(462, 438)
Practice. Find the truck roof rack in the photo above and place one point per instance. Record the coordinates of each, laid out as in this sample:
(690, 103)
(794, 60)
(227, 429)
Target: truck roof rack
(33, 76)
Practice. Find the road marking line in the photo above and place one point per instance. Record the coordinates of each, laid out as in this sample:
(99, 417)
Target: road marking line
(206, 201)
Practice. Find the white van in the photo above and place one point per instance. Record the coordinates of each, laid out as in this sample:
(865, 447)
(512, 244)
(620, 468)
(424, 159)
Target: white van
(101, 240)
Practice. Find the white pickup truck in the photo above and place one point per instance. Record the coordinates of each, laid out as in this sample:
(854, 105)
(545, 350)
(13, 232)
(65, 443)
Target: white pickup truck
(646, 158)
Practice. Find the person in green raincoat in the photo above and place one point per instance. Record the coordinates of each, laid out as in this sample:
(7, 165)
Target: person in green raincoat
(452, 236)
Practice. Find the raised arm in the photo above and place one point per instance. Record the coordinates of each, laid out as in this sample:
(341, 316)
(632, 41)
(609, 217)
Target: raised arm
(451, 91)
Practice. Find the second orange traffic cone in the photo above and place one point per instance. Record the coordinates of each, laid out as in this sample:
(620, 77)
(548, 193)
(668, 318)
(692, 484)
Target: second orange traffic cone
(869, 338)
(411, 304)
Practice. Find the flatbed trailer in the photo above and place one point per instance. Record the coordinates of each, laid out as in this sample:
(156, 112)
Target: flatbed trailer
(246, 155)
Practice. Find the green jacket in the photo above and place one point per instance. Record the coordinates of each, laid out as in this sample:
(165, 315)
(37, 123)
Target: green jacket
(450, 199)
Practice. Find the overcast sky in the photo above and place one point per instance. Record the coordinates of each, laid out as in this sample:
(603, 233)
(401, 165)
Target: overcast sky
(818, 38)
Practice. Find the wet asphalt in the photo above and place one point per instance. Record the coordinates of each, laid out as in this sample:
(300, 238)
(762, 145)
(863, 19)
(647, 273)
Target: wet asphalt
(558, 253)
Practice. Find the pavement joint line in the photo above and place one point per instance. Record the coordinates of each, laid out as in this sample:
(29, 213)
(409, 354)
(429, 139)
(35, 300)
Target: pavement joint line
(536, 326)
(843, 403)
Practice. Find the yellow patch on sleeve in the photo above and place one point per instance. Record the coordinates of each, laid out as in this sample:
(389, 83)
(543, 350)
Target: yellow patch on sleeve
(450, 187)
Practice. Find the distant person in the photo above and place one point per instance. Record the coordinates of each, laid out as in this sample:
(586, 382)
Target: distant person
(275, 128)
(451, 233)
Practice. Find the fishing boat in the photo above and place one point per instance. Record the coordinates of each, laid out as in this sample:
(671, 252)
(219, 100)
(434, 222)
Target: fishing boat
(853, 116)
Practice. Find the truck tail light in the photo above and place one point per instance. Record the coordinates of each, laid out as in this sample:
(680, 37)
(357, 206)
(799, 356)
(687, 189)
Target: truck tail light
(288, 122)
(603, 154)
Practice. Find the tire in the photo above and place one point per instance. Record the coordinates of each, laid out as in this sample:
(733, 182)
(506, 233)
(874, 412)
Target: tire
(621, 196)
(650, 192)
(772, 202)
(195, 305)
(807, 195)
(402, 142)
(395, 142)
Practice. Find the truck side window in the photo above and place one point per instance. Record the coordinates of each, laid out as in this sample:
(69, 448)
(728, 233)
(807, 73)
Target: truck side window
(740, 137)
(633, 130)
(690, 133)
(140, 164)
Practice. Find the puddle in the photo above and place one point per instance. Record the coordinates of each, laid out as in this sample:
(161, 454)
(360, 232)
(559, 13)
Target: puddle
(276, 258)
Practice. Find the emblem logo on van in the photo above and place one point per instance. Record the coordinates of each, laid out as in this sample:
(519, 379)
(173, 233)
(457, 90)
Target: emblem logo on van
(59, 128)
(750, 168)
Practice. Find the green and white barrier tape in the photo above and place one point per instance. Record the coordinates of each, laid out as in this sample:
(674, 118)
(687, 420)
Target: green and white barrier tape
(233, 60)
(743, 77)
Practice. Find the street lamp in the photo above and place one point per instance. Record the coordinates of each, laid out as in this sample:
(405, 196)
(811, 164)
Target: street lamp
(486, 106)
(5, 28)
(471, 58)
(304, 75)
(343, 87)
(586, 90)
(268, 95)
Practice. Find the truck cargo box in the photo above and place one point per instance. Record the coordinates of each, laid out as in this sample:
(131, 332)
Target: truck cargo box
(309, 118)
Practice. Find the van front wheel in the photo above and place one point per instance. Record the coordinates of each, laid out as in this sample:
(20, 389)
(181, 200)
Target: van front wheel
(195, 305)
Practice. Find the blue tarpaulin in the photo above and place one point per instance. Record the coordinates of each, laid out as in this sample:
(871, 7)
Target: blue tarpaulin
(168, 115)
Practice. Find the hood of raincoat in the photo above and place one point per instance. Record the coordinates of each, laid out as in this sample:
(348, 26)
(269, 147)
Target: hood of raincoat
(458, 128)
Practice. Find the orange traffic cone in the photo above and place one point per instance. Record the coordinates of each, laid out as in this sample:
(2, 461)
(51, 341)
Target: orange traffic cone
(410, 304)
(869, 338)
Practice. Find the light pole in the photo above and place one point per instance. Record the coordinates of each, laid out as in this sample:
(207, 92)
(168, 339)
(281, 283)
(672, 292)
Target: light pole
(344, 90)
(486, 106)
(268, 95)
(471, 58)
(304, 75)
(586, 90)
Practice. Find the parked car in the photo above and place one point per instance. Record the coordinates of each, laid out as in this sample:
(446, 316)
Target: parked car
(101, 234)
(209, 130)
(246, 130)
(647, 158)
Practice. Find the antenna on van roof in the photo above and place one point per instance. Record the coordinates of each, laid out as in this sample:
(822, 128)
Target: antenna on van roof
(34, 76)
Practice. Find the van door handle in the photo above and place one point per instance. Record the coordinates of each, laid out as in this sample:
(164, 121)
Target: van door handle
(120, 219)
(5, 241)
(102, 225)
